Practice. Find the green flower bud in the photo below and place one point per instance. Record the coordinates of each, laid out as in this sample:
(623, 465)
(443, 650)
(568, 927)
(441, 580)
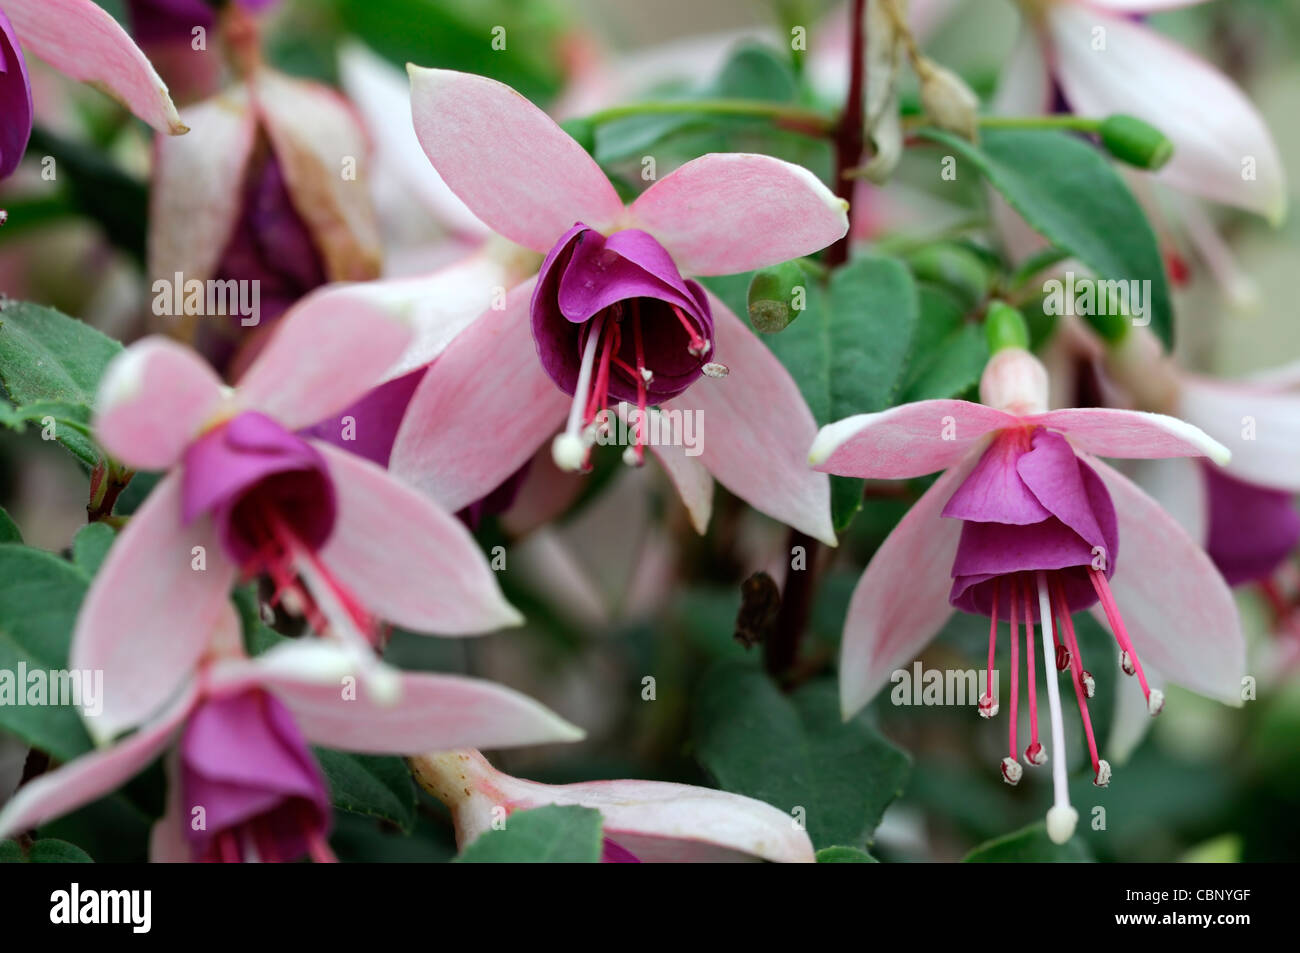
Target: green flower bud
(1004, 327)
(777, 295)
(1135, 142)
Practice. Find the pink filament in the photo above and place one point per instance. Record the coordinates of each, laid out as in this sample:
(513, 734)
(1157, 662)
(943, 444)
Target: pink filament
(1015, 665)
(1033, 691)
(1117, 626)
(1076, 666)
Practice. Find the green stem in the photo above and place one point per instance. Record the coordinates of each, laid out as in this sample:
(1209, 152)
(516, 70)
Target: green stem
(796, 116)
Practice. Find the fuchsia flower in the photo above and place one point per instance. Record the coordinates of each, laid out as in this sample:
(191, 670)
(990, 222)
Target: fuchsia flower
(612, 317)
(78, 38)
(260, 191)
(343, 542)
(644, 821)
(1106, 63)
(243, 784)
(1245, 512)
(1026, 524)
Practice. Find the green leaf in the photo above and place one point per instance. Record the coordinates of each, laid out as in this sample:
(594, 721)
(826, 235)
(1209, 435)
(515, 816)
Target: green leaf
(555, 834)
(50, 366)
(373, 785)
(1031, 845)
(754, 71)
(90, 546)
(52, 851)
(948, 354)
(39, 598)
(9, 531)
(47, 851)
(795, 752)
(458, 34)
(849, 354)
(844, 855)
(1067, 190)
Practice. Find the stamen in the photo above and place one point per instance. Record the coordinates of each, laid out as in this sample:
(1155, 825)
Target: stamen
(568, 449)
(1011, 771)
(1034, 754)
(643, 379)
(1061, 818)
(1015, 666)
(715, 370)
(1155, 697)
(1062, 653)
(988, 704)
(698, 346)
(1080, 685)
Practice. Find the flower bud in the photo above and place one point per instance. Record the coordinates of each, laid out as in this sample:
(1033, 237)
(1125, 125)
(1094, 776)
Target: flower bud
(1135, 142)
(947, 100)
(1005, 327)
(776, 296)
(1014, 381)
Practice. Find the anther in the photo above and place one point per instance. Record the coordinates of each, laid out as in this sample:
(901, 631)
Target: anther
(1011, 771)
(715, 370)
(1126, 663)
(1035, 754)
(988, 706)
(1155, 702)
(1103, 774)
(1088, 682)
(1062, 658)
(632, 458)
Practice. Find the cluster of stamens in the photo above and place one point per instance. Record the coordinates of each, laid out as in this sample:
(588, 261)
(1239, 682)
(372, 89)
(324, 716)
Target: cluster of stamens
(589, 415)
(1060, 647)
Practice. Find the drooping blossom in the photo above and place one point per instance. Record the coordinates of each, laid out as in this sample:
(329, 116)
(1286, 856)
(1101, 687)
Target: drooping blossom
(271, 189)
(1104, 62)
(611, 319)
(243, 784)
(343, 542)
(644, 821)
(1026, 524)
(1245, 513)
(80, 39)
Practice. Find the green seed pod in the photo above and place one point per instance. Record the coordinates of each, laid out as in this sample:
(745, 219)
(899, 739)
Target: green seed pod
(776, 296)
(1135, 142)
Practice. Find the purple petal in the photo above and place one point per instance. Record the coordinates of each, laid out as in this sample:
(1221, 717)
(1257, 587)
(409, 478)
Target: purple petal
(249, 467)
(271, 245)
(612, 853)
(630, 279)
(1252, 529)
(995, 492)
(15, 100)
(1077, 518)
(244, 761)
(375, 419)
